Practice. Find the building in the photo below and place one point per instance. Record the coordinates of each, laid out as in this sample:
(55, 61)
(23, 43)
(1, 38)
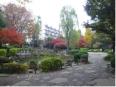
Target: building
(51, 32)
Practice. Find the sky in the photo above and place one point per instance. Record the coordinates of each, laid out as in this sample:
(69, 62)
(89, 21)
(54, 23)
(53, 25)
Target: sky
(49, 11)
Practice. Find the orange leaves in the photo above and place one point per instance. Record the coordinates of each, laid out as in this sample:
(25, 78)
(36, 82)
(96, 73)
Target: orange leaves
(11, 36)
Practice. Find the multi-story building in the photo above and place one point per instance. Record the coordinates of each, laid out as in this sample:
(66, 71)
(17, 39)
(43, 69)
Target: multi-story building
(51, 32)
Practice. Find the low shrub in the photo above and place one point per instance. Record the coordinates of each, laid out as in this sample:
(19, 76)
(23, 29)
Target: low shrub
(4, 60)
(113, 62)
(14, 68)
(33, 65)
(108, 57)
(84, 57)
(50, 64)
(83, 50)
(77, 57)
(13, 51)
(3, 52)
(81, 56)
(74, 51)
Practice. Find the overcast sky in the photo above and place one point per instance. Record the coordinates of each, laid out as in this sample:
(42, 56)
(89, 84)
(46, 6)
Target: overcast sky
(49, 11)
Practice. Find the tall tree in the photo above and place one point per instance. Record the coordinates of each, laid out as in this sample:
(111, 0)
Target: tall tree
(19, 18)
(103, 14)
(2, 20)
(74, 38)
(36, 33)
(88, 36)
(68, 21)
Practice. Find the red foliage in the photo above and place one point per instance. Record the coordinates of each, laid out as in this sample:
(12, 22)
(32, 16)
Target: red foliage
(11, 36)
(82, 42)
(59, 43)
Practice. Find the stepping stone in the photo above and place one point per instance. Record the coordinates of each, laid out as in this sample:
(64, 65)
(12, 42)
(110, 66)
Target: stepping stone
(105, 82)
(22, 83)
(90, 71)
(65, 72)
(45, 78)
(59, 80)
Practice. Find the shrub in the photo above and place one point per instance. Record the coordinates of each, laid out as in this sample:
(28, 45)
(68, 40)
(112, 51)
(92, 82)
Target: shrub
(3, 52)
(74, 51)
(4, 60)
(13, 51)
(51, 64)
(33, 65)
(14, 68)
(77, 57)
(109, 57)
(84, 57)
(113, 62)
(83, 50)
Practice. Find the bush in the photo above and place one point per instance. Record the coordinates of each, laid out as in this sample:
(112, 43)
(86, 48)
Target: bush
(4, 60)
(77, 57)
(33, 65)
(13, 51)
(83, 50)
(74, 51)
(50, 64)
(14, 68)
(113, 62)
(84, 57)
(109, 57)
(3, 52)
(81, 56)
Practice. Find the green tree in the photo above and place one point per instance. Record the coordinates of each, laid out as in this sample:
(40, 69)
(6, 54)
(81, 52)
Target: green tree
(37, 31)
(68, 21)
(74, 38)
(2, 20)
(101, 40)
(103, 14)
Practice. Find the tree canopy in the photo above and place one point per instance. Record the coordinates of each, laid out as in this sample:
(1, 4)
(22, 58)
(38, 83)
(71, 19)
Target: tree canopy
(68, 21)
(102, 13)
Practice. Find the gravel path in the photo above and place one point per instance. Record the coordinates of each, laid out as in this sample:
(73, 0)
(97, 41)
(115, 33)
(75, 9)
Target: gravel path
(91, 74)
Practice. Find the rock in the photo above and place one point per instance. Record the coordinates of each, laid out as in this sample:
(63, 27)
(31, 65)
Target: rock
(58, 80)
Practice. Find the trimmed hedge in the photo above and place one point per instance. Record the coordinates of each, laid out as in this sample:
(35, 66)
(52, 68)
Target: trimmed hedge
(74, 51)
(50, 64)
(13, 51)
(3, 52)
(14, 68)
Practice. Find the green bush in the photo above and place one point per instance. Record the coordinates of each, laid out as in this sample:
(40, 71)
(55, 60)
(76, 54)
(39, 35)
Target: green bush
(77, 57)
(109, 57)
(83, 49)
(50, 64)
(84, 57)
(113, 62)
(13, 51)
(3, 52)
(14, 68)
(80, 55)
(33, 65)
(74, 51)
(4, 60)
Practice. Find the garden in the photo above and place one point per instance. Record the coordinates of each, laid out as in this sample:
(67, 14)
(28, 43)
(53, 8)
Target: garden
(24, 51)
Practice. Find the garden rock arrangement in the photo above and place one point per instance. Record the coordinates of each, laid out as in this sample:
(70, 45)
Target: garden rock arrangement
(90, 74)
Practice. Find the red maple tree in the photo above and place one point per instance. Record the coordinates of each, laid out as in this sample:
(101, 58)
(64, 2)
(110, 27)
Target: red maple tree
(10, 36)
(82, 42)
(59, 43)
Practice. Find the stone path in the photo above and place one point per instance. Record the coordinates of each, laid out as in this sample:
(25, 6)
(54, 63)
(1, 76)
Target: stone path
(91, 74)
